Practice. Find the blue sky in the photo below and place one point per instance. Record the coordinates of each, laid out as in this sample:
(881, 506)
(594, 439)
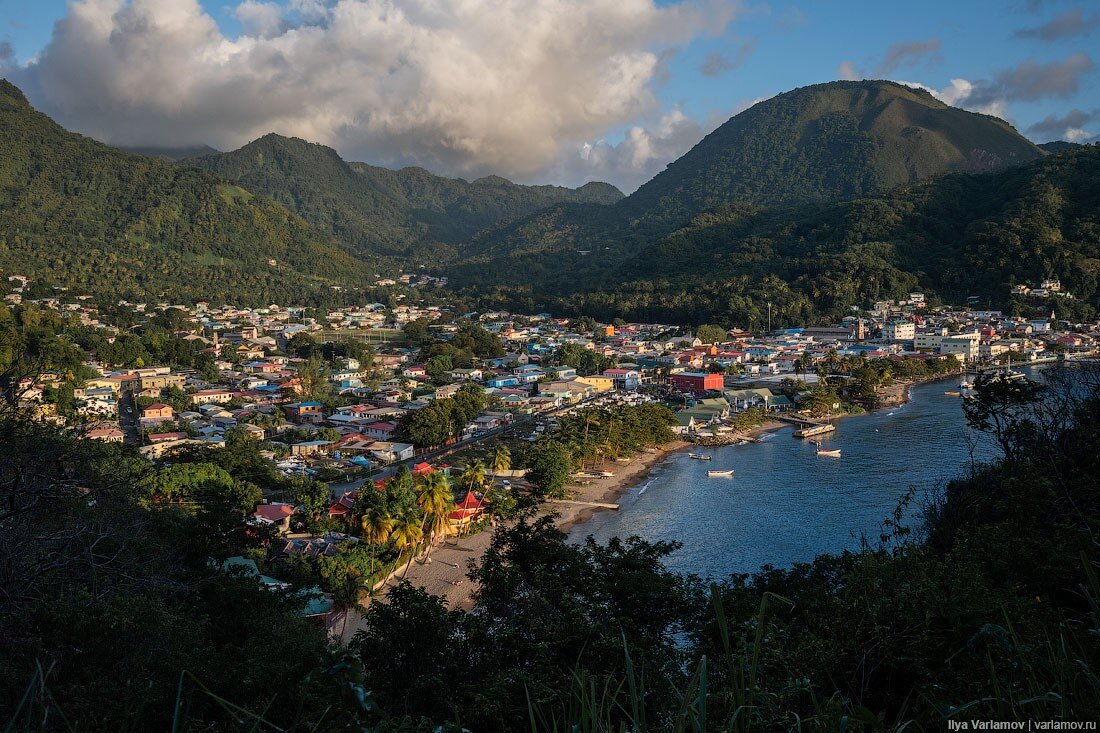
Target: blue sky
(1030, 61)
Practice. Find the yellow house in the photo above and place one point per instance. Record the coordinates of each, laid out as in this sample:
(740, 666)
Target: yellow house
(602, 384)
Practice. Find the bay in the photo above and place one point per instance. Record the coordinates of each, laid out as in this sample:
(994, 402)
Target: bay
(786, 504)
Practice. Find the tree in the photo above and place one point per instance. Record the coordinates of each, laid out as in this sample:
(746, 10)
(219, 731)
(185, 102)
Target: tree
(436, 501)
(407, 534)
(501, 459)
(473, 476)
(709, 333)
(311, 495)
(548, 467)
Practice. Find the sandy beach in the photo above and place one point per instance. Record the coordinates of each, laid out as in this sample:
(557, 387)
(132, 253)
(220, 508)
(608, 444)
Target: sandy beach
(444, 572)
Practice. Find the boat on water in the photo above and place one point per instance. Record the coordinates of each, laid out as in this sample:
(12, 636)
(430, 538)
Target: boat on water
(720, 474)
(953, 394)
(694, 455)
(834, 452)
(704, 457)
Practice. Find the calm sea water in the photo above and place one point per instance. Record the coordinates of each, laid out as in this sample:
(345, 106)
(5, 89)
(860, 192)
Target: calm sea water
(786, 504)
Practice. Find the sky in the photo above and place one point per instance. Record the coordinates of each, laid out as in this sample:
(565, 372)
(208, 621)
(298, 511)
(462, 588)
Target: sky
(538, 91)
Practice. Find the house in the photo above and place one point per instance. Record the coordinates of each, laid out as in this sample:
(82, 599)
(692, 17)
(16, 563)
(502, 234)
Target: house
(309, 447)
(311, 412)
(106, 433)
(466, 512)
(624, 378)
(156, 413)
(696, 382)
(379, 430)
(388, 452)
(277, 514)
(206, 396)
(600, 383)
(155, 438)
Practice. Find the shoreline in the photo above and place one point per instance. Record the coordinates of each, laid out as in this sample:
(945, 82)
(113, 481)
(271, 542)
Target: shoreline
(444, 574)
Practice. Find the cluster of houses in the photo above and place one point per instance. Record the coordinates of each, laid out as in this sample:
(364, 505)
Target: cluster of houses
(259, 386)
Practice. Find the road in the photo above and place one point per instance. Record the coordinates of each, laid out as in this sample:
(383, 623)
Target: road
(128, 418)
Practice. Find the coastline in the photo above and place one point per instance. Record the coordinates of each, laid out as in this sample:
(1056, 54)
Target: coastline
(444, 574)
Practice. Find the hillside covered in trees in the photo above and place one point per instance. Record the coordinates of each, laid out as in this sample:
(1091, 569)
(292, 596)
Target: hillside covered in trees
(381, 211)
(958, 236)
(77, 213)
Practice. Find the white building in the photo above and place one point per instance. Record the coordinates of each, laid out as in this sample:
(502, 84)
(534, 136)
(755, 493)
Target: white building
(965, 346)
(899, 331)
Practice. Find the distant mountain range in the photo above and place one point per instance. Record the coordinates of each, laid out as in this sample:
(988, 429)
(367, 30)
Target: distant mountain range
(407, 212)
(819, 199)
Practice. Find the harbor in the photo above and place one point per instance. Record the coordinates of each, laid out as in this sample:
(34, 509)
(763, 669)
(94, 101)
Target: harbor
(787, 502)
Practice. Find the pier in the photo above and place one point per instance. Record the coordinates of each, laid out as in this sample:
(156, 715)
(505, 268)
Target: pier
(806, 428)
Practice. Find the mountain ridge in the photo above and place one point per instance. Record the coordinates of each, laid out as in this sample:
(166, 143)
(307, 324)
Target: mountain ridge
(82, 214)
(383, 211)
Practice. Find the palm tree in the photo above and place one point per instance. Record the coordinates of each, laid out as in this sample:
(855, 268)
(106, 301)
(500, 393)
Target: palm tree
(473, 478)
(345, 596)
(377, 527)
(407, 534)
(501, 460)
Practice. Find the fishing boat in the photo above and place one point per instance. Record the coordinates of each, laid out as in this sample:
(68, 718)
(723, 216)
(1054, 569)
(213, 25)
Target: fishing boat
(834, 452)
(694, 455)
(953, 394)
(720, 474)
(704, 457)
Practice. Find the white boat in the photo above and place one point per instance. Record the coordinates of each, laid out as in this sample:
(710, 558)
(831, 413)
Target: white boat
(704, 457)
(694, 455)
(720, 474)
(834, 452)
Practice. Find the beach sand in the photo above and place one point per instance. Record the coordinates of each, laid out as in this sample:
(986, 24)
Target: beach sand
(444, 573)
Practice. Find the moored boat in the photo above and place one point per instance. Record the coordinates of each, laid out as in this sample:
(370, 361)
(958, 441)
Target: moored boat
(834, 452)
(720, 474)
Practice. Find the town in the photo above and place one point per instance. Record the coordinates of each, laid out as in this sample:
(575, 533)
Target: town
(453, 417)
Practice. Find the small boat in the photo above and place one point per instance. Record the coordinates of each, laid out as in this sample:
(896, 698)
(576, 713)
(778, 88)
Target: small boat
(720, 474)
(835, 452)
(953, 394)
(704, 457)
(694, 455)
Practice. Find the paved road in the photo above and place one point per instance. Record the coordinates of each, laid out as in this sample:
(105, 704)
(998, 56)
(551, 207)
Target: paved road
(128, 418)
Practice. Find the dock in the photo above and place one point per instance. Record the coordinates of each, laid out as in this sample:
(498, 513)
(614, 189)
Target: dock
(806, 428)
(596, 504)
(814, 430)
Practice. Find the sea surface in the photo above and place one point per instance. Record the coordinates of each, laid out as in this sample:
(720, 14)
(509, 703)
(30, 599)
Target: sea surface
(786, 504)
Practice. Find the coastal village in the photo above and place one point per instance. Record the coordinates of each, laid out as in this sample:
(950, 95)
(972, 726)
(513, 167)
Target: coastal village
(352, 398)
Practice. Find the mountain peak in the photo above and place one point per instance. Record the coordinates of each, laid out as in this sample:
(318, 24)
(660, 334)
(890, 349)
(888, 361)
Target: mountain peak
(12, 92)
(828, 141)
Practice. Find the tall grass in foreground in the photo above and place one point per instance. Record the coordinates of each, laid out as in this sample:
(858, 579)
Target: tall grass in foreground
(1057, 679)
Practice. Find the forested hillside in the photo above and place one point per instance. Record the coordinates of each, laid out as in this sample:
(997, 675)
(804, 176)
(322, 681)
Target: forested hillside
(80, 214)
(375, 210)
(958, 236)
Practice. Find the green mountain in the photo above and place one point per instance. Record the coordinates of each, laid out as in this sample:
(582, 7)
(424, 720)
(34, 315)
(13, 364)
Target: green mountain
(169, 153)
(820, 143)
(958, 236)
(377, 210)
(80, 214)
(831, 141)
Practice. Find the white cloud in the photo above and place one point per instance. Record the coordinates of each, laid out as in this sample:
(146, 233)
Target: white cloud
(464, 87)
(848, 72)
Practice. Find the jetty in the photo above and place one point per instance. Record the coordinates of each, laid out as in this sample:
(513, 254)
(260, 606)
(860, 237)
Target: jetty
(574, 502)
(806, 428)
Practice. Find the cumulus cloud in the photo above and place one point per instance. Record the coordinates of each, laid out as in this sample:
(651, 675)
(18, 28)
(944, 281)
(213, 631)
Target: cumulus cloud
(908, 53)
(643, 152)
(463, 87)
(1071, 24)
(716, 63)
(1070, 126)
